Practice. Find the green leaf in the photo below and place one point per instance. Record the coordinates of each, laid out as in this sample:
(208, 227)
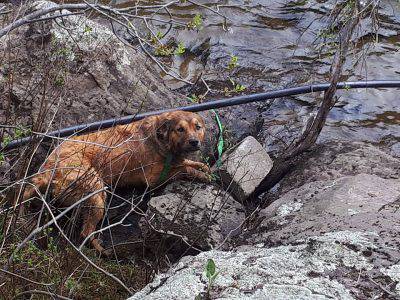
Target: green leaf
(233, 62)
(210, 269)
(196, 22)
(180, 49)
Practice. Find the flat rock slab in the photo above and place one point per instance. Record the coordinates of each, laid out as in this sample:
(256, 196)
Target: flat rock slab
(201, 215)
(243, 168)
(362, 202)
(322, 267)
(338, 159)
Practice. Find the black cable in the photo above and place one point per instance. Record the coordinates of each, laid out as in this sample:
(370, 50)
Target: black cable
(85, 128)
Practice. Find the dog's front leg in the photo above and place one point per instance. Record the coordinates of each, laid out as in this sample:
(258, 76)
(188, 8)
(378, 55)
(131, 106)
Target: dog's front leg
(188, 172)
(196, 165)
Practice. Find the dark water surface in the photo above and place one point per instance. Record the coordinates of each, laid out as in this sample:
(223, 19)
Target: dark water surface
(275, 42)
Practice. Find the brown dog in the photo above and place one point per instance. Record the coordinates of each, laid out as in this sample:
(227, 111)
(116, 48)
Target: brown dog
(125, 155)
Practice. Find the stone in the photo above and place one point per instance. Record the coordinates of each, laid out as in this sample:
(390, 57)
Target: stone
(363, 202)
(201, 215)
(341, 208)
(394, 273)
(244, 167)
(338, 159)
(320, 267)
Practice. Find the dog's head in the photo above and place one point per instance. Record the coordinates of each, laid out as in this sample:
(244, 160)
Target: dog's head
(180, 131)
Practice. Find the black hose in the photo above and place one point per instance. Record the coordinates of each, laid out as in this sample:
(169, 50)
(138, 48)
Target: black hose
(85, 128)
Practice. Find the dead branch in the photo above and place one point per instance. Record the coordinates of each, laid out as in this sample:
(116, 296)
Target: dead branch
(24, 278)
(32, 292)
(39, 13)
(291, 155)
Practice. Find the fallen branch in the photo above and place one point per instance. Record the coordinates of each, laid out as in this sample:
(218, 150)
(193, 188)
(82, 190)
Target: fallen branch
(24, 278)
(31, 292)
(291, 155)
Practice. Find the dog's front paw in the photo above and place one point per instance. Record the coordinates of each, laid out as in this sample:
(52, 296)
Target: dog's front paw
(203, 177)
(203, 167)
(206, 178)
(206, 169)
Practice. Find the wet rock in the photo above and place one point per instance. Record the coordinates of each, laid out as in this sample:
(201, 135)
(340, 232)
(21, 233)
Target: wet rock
(243, 169)
(395, 149)
(201, 215)
(320, 267)
(337, 159)
(363, 203)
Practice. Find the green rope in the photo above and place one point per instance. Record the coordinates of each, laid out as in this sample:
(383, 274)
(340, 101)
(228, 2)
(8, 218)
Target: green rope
(166, 168)
(220, 146)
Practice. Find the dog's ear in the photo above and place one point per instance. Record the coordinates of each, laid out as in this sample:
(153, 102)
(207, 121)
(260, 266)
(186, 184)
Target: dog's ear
(163, 128)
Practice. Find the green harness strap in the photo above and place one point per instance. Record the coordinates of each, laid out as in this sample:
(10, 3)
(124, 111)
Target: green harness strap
(220, 148)
(166, 168)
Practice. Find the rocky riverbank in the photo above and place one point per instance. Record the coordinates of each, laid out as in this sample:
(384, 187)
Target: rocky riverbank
(331, 233)
(330, 229)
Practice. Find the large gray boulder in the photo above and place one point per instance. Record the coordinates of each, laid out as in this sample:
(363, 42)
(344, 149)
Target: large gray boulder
(322, 267)
(200, 215)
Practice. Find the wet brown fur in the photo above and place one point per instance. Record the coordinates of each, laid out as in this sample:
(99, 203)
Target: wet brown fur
(125, 155)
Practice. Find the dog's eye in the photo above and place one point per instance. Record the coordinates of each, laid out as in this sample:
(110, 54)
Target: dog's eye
(198, 127)
(180, 129)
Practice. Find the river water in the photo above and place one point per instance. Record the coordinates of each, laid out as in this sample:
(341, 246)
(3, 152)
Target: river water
(276, 45)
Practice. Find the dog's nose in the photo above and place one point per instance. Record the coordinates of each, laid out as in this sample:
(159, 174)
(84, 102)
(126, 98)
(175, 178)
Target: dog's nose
(194, 143)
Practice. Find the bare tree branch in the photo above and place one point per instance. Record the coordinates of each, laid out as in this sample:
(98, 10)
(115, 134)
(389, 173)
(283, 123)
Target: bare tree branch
(289, 157)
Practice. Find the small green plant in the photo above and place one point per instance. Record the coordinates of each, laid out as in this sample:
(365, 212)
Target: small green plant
(51, 244)
(180, 49)
(196, 98)
(215, 177)
(196, 22)
(154, 39)
(6, 140)
(21, 131)
(59, 80)
(71, 284)
(239, 88)
(88, 29)
(233, 63)
(236, 88)
(210, 274)
(163, 50)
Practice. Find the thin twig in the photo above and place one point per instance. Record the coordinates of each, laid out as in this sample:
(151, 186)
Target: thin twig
(24, 278)
(52, 295)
